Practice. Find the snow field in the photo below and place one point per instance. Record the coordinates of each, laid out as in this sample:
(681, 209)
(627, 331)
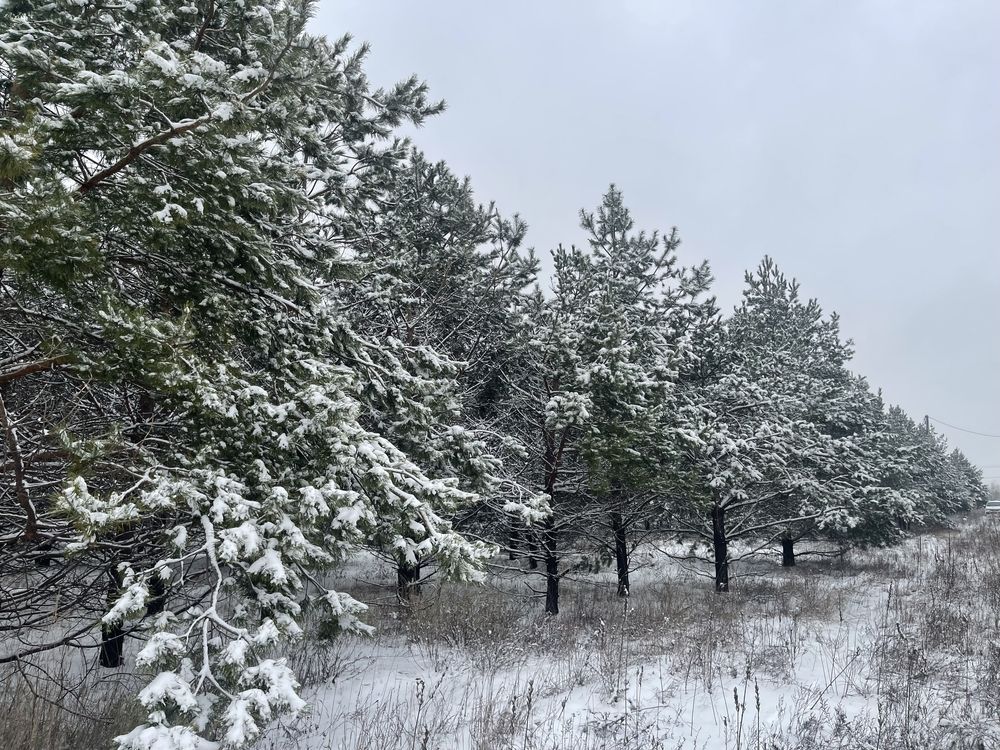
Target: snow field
(882, 649)
(888, 648)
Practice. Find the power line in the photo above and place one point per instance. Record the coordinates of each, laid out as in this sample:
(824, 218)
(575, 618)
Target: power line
(962, 429)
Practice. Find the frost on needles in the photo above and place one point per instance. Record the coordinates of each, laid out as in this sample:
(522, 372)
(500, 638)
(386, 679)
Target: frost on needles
(246, 330)
(183, 192)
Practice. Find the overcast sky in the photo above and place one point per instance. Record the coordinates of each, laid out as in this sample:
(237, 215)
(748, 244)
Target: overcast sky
(855, 141)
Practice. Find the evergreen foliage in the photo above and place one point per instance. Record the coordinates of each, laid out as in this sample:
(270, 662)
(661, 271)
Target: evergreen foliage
(246, 329)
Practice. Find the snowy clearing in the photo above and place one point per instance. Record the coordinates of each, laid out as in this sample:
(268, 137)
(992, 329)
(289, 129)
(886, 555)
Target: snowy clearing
(886, 648)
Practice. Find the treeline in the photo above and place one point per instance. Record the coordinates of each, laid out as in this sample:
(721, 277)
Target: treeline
(246, 329)
(621, 394)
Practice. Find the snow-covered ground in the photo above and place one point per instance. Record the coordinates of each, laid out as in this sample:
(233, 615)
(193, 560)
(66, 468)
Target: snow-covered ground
(894, 648)
(885, 648)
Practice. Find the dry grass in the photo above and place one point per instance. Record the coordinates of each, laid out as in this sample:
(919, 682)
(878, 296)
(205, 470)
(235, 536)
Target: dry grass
(901, 641)
(900, 649)
(64, 708)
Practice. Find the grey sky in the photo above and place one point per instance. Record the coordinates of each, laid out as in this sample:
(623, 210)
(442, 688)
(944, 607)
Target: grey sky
(855, 141)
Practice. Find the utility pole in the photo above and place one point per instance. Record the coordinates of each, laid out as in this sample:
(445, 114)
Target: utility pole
(927, 424)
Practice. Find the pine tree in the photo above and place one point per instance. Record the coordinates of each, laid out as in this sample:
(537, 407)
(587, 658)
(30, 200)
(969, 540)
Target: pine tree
(935, 482)
(605, 350)
(440, 281)
(764, 443)
(179, 187)
(969, 487)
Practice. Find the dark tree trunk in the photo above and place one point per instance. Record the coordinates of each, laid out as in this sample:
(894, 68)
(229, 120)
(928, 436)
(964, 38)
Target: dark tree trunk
(548, 538)
(533, 553)
(620, 531)
(407, 580)
(551, 573)
(512, 545)
(721, 548)
(158, 596)
(112, 646)
(112, 636)
(788, 552)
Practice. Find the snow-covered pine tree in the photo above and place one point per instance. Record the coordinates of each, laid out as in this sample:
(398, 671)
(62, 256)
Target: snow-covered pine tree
(184, 402)
(830, 483)
(442, 280)
(636, 326)
(913, 481)
(604, 350)
(936, 482)
(856, 418)
(967, 480)
(759, 439)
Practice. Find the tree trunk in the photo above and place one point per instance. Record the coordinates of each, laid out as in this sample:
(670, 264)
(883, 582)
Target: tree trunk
(512, 545)
(112, 646)
(721, 548)
(407, 580)
(548, 538)
(621, 552)
(158, 595)
(551, 573)
(533, 553)
(788, 552)
(30, 533)
(112, 636)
